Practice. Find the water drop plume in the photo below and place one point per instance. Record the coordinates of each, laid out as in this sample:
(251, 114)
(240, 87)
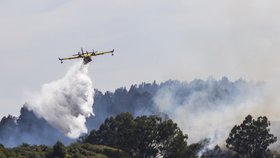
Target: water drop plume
(66, 102)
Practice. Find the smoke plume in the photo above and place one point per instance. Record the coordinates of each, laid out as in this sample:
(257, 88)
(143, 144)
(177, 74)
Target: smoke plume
(209, 109)
(67, 102)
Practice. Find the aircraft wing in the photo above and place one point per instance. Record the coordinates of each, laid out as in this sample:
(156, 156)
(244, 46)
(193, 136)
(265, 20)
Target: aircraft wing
(69, 58)
(101, 53)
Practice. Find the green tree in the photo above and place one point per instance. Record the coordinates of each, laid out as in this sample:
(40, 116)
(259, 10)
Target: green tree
(172, 140)
(58, 150)
(251, 138)
(143, 137)
(2, 150)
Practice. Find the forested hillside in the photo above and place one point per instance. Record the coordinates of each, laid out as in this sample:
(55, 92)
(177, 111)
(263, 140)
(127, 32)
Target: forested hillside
(144, 136)
(138, 100)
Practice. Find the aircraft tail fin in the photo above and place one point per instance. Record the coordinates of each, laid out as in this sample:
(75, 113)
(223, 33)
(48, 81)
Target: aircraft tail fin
(61, 60)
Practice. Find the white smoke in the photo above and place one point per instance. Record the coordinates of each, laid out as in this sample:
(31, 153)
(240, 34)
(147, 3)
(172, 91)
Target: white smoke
(209, 109)
(67, 102)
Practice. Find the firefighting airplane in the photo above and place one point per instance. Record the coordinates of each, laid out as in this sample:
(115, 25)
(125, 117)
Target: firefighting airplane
(86, 55)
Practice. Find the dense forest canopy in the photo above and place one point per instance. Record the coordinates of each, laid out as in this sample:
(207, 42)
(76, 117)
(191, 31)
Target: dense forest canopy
(152, 136)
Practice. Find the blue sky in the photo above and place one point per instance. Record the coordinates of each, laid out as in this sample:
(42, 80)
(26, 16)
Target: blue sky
(154, 40)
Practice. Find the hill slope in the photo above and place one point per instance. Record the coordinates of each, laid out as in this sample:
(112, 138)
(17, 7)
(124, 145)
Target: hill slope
(145, 98)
